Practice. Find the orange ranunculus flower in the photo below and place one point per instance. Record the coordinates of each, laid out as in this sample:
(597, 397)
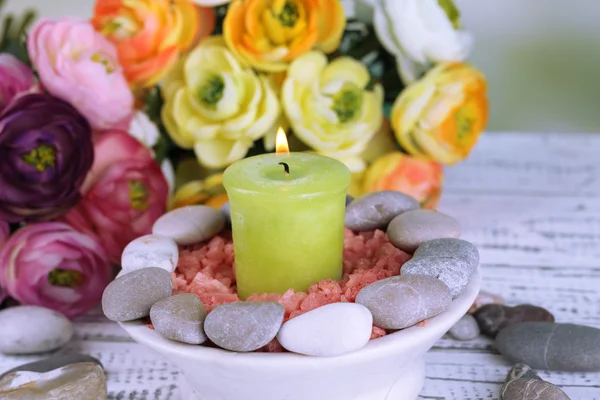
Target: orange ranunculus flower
(415, 177)
(269, 34)
(441, 116)
(150, 35)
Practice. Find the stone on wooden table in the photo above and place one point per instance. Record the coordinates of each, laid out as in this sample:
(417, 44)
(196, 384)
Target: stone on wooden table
(411, 229)
(484, 298)
(376, 210)
(65, 377)
(190, 224)
(150, 251)
(244, 326)
(180, 317)
(330, 330)
(552, 346)
(33, 329)
(131, 296)
(453, 261)
(465, 329)
(522, 383)
(402, 301)
(492, 318)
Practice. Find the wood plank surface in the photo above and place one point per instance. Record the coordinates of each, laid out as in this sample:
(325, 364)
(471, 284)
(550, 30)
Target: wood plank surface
(531, 204)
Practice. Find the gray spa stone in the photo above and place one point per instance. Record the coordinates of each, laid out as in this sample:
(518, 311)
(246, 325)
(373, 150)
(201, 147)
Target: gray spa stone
(411, 229)
(522, 383)
(190, 224)
(376, 210)
(465, 329)
(548, 345)
(450, 247)
(492, 318)
(226, 210)
(132, 295)
(180, 317)
(455, 272)
(244, 326)
(33, 329)
(402, 301)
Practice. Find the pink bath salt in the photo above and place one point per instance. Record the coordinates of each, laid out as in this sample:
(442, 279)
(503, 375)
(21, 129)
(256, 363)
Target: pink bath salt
(273, 297)
(291, 301)
(360, 279)
(212, 300)
(377, 332)
(272, 347)
(315, 300)
(205, 284)
(328, 287)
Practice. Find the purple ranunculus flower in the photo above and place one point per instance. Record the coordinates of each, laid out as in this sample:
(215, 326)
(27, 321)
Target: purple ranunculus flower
(15, 78)
(46, 151)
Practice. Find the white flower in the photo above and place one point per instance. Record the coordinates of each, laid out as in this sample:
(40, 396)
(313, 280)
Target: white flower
(144, 130)
(169, 173)
(419, 33)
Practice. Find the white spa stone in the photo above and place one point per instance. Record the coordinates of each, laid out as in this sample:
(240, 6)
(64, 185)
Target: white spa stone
(33, 329)
(330, 330)
(190, 224)
(150, 251)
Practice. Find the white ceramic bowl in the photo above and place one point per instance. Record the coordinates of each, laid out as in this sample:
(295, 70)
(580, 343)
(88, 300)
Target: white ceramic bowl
(388, 368)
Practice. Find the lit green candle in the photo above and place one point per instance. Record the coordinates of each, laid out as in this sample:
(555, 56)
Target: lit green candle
(288, 228)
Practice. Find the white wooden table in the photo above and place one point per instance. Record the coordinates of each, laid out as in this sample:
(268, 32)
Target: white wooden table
(531, 204)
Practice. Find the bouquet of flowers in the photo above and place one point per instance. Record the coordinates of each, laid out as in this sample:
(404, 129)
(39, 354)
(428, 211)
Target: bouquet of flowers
(106, 123)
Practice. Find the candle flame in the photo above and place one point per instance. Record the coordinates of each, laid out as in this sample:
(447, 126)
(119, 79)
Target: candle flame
(281, 143)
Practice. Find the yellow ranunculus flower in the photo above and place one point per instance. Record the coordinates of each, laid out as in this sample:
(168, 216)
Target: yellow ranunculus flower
(216, 106)
(209, 191)
(330, 108)
(441, 116)
(269, 34)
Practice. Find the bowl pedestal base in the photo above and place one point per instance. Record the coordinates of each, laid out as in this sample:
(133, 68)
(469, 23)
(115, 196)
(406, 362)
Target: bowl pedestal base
(407, 387)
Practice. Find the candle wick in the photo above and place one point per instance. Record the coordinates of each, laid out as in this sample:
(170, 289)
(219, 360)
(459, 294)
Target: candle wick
(286, 168)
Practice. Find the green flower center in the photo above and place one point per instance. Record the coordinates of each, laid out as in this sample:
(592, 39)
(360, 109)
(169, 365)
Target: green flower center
(65, 278)
(289, 14)
(464, 124)
(102, 59)
(138, 195)
(347, 102)
(211, 92)
(451, 12)
(42, 157)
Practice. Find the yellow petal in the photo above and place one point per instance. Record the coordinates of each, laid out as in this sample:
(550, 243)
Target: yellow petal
(220, 153)
(346, 69)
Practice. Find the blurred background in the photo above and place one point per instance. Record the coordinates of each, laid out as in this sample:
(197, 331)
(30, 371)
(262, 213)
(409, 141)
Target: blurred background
(541, 58)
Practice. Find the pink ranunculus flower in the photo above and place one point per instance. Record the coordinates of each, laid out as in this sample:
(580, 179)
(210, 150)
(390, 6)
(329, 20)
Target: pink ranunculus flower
(15, 78)
(80, 66)
(124, 193)
(52, 265)
(4, 233)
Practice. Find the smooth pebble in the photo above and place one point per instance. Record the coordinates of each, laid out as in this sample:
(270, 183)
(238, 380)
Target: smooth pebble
(455, 272)
(54, 362)
(552, 346)
(132, 295)
(484, 298)
(190, 224)
(450, 247)
(492, 318)
(150, 251)
(376, 210)
(402, 301)
(33, 329)
(522, 383)
(410, 229)
(330, 330)
(244, 326)
(180, 317)
(465, 329)
(226, 210)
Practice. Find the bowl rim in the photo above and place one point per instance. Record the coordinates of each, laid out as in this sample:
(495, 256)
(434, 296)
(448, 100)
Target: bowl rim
(394, 342)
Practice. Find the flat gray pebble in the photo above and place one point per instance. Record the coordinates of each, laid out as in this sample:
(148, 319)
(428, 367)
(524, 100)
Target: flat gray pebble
(402, 301)
(376, 210)
(411, 229)
(180, 317)
(547, 345)
(492, 318)
(522, 383)
(449, 247)
(465, 329)
(190, 224)
(455, 272)
(244, 326)
(33, 329)
(132, 295)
